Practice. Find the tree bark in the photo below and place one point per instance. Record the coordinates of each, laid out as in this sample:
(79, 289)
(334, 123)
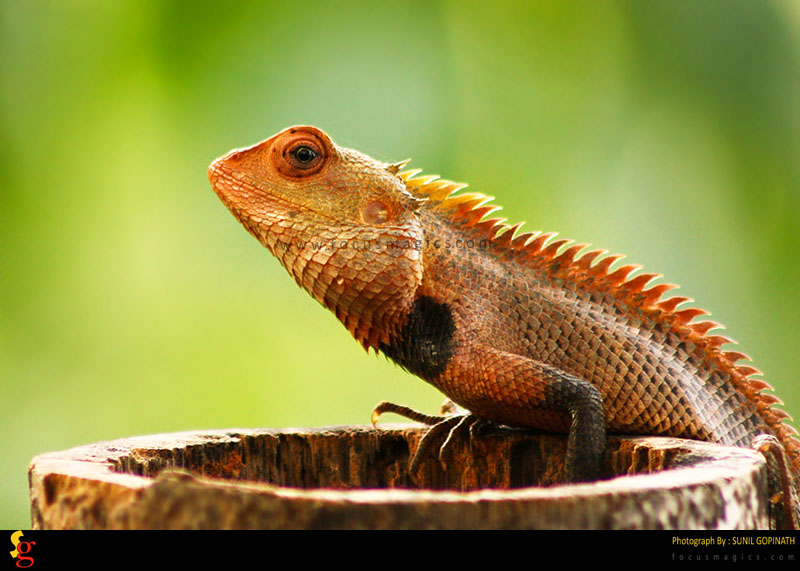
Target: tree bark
(357, 478)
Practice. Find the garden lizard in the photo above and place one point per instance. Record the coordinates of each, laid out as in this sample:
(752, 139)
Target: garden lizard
(519, 329)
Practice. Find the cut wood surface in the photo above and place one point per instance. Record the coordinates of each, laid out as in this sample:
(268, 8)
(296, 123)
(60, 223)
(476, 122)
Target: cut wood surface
(357, 478)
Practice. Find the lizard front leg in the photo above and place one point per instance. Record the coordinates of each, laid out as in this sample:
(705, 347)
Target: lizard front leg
(517, 391)
(510, 389)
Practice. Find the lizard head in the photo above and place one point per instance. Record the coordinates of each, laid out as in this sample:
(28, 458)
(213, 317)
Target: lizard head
(302, 172)
(343, 224)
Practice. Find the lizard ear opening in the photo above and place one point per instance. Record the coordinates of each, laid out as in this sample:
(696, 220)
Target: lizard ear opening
(299, 153)
(376, 212)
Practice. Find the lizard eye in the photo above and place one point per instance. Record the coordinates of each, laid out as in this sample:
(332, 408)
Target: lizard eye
(299, 156)
(303, 155)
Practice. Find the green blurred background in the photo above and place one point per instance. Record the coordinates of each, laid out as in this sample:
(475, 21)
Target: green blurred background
(132, 302)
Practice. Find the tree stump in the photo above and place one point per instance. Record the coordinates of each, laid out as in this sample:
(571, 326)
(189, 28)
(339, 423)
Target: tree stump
(357, 478)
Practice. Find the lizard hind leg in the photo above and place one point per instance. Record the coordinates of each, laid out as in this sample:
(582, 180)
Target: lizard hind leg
(516, 391)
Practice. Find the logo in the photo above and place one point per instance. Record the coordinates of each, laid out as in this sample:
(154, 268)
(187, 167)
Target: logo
(21, 550)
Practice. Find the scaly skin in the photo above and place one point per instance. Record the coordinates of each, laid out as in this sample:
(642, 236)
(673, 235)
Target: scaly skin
(519, 329)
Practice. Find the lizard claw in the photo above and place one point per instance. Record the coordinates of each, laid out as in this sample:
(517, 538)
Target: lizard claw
(434, 434)
(452, 429)
(466, 423)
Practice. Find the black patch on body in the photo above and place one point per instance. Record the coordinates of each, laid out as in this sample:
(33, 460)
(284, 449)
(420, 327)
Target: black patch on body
(425, 344)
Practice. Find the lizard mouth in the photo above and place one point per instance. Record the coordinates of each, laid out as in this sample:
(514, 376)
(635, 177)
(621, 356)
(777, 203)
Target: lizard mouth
(256, 205)
(224, 183)
(235, 187)
(222, 176)
(246, 195)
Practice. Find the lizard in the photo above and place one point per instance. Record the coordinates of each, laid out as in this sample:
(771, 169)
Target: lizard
(519, 328)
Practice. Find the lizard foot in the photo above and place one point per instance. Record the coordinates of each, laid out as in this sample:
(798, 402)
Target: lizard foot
(783, 496)
(453, 425)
